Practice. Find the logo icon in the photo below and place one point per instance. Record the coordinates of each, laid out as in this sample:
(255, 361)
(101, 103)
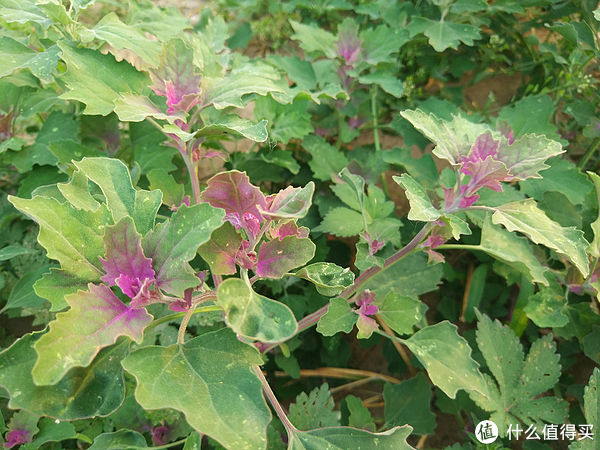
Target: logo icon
(486, 432)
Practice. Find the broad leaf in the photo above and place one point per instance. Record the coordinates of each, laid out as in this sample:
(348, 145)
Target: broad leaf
(314, 39)
(420, 205)
(401, 313)
(113, 178)
(547, 308)
(527, 218)
(516, 396)
(96, 320)
(444, 34)
(204, 378)
(122, 36)
(253, 316)
(135, 108)
(119, 440)
(343, 438)
(512, 250)
(22, 294)
(278, 257)
(19, 56)
(221, 250)
(447, 358)
(96, 79)
(409, 403)
(329, 279)
(314, 410)
(174, 242)
(71, 236)
(339, 317)
(230, 124)
(341, 221)
(591, 407)
(327, 161)
(19, 11)
(96, 390)
(594, 247)
(56, 284)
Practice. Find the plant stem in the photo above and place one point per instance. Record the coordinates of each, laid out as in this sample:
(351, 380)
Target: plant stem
(397, 345)
(374, 118)
(191, 167)
(184, 324)
(169, 445)
(459, 247)
(589, 153)
(176, 316)
(290, 428)
(314, 317)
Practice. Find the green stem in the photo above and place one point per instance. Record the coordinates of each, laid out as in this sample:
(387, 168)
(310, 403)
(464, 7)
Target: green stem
(184, 324)
(289, 427)
(172, 317)
(589, 153)
(191, 167)
(169, 445)
(459, 247)
(313, 318)
(374, 118)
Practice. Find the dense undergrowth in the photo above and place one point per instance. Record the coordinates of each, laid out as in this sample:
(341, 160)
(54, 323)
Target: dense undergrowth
(325, 224)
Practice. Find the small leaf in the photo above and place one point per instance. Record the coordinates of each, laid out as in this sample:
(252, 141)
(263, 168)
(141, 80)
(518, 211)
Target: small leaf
(96, 390)
(527, 218)
(389, 82)
(174, 242)
(329, 279)
(401, 313)
(277, 257)
(254, 316)
(359, 414)
(547, 309)
(203, 378)
(594, 247)
(444, 34)
(314, 410)
(291, 202)
(22, 294)
(409, 403)
(96, 319)
(339, 317)
(420, 205)
(119, 440)
(447, 358)
(341, 438)
(342, 222)
(10, 251)
(326, 159)
(220, 251)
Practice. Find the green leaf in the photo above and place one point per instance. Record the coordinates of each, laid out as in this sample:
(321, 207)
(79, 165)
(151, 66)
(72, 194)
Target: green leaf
(444, 34)
(329, 279)
(420, 206)
(98, 80)
(531, 114)
(132, 107)
(314, 410)
(591, 404)
(527, 218)
(447, 357)
(519, 382)
(512, 250)
(453, 139)
(96, 320)
(10, 251)
(119, 440)
(326, 159)
(173, 192)
(278, 257)
(342, 222)
(203, 379)
(380, 42)
(422, 169)
(409, 403)
(236, 126)
(387, 81)
(547, 309)
(121, 36)
(339, 317)
(314, 39)
(113, 178)
(342, 438)
(57, 284)
(72, 236)
(254, 316)
(410, 277)
(174, 242)
(401, 313)
(50, 431)
(19, 56)
(563, 176)
(221, 250)
(96, 390)
(291, 202)
(594, 247)
(359, 414)
(19, 11)
(22, 294)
